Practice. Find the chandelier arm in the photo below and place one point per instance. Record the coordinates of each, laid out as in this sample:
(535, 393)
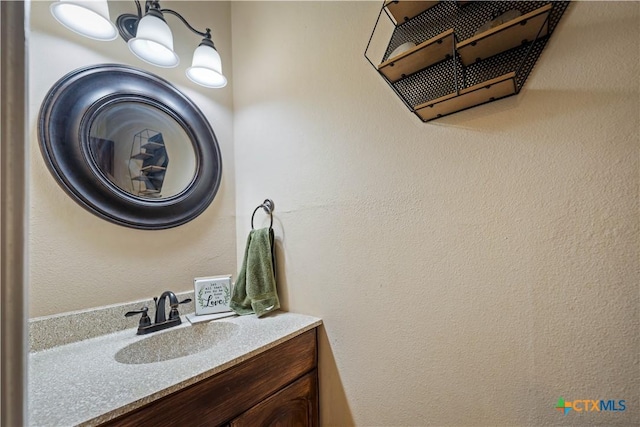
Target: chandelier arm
(139, 7)
(205, 34)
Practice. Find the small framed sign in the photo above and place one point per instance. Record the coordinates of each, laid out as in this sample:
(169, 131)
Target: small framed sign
(212, 294)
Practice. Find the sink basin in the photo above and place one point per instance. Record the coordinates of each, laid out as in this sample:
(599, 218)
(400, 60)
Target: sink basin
(174, 343)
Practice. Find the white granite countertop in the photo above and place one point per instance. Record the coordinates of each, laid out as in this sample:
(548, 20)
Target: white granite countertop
(82, 383)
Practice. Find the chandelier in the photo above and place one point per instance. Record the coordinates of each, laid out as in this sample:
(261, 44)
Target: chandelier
(146, 33)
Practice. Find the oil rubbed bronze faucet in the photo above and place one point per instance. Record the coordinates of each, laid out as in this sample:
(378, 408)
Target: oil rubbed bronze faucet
(161, 322)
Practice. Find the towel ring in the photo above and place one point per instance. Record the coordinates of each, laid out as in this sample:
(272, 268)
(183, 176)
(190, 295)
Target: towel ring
(268, 206)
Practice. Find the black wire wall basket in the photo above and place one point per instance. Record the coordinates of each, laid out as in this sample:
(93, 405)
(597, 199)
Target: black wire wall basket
(442, 57)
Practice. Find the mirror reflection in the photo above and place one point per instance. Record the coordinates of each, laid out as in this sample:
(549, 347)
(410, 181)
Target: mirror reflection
(142, 150)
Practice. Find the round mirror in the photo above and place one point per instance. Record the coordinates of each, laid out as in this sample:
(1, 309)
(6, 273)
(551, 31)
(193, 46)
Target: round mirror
(129, 147)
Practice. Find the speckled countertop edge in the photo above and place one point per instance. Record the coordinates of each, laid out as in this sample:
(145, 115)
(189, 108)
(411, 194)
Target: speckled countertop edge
(84, 378)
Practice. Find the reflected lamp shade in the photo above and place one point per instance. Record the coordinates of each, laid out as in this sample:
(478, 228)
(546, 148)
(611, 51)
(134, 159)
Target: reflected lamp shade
(206, 67)
(89, 18)
(153, 42)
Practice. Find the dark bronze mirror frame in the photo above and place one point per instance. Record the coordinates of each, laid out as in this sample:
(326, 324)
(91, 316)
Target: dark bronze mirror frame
(66, 116)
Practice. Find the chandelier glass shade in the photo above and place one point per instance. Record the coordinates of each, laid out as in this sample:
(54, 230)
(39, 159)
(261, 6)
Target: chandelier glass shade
(87, 18)
(206, 67)
(153, 42)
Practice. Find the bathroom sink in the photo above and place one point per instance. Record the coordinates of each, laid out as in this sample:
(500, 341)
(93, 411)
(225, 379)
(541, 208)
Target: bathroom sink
(174, 343)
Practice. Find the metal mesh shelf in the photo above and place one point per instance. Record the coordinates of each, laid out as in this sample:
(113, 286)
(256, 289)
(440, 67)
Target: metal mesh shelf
(485, 53)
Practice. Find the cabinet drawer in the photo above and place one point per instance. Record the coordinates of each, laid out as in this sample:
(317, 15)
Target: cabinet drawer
(224, 396)
(295, 405)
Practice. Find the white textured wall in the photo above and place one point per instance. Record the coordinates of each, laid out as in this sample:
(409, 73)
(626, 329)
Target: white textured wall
(469, 271)
(78, 260)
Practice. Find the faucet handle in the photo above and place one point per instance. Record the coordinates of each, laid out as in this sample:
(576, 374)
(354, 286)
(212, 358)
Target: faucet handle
(174, 309)
(144, 320)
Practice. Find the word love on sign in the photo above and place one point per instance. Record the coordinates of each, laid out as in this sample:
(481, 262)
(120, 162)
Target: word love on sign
(213, 294)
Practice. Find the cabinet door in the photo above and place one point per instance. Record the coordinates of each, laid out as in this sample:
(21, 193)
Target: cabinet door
(294, 406)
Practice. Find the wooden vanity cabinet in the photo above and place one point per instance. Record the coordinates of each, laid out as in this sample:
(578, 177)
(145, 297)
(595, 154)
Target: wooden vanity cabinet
(276, 388)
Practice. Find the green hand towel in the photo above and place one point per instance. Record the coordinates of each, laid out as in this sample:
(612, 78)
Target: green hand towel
(255, 290)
